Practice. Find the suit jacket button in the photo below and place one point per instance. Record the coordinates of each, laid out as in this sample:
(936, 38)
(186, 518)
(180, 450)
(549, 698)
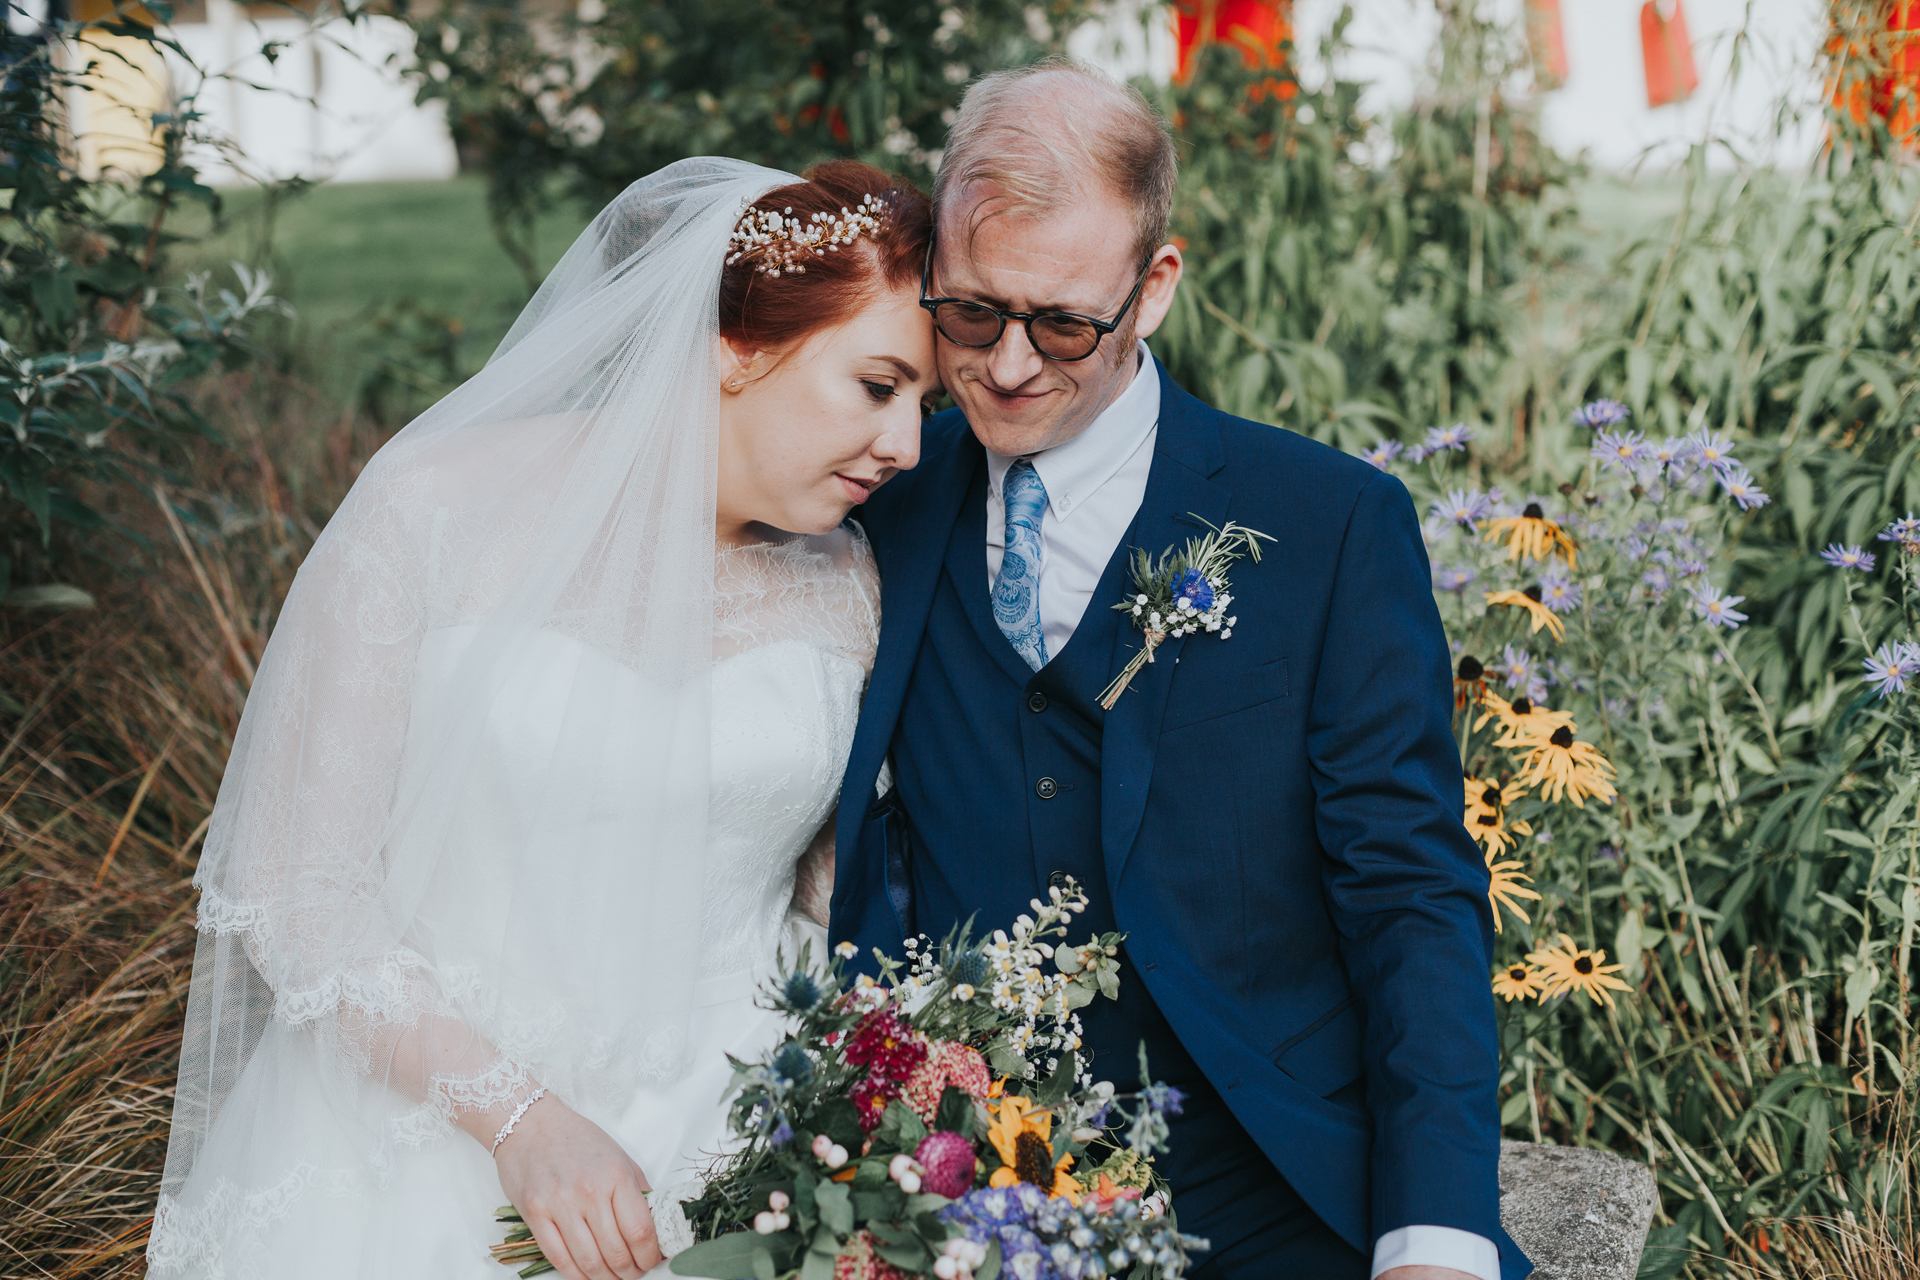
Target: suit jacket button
(1046, 788)
(1056, 879)
(1036, 701)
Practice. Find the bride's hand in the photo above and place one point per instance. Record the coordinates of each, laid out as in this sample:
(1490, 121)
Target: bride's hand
(580, 1192)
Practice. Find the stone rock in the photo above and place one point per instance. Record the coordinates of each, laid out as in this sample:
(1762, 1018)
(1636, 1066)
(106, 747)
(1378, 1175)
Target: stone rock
(1579, 1213)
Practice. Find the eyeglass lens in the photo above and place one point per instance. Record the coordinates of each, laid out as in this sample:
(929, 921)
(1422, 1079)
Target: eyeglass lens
(1061, 337)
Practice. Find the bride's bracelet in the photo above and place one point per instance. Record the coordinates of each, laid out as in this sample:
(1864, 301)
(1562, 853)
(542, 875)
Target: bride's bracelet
(514, 1119)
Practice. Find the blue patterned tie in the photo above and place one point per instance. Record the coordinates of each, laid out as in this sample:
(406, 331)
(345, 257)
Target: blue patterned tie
(1016, 596)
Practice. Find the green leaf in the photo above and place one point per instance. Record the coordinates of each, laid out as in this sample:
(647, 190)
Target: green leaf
(835, 1203)
(899, 1129)
(1666, 1251)
(839, 1119)
(1860, 987)
(956, 1111)
(728, 1257)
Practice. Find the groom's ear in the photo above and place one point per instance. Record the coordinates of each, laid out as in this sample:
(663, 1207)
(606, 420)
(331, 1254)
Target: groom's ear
(1156, 295)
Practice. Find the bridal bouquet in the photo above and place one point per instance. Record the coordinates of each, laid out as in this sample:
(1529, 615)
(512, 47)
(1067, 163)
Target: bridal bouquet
(936, 1121)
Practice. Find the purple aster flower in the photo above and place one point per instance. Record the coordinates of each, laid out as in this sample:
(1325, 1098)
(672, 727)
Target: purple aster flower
(1454, 437)
(1741, 487)
(1623, 447)
(1452, 577)
(1192, 586)
(1905, 531)
(1669, 453)
(1689, 568)
(1383, 453)
(1600, 413)
(1891, 666)
(1520, 671)
(1717, 609)
(1634, 546)
(1463, 507)
(1848, 557)
(1658, 580)
(1711, 449)
(1558, 591)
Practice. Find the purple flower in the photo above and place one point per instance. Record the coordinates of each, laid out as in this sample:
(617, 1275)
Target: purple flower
(1711, 449)
(1192, 586)
(1717, 609)
(1889, 669)
(1623, 447)
(1741, 487)
(1600, 413)
(1905, 531)
(1383, 453)
(1848, 557)
(1669, 453)
(1689, 568)
(1520, 671)
(1452, 578)
(1558, 591)
(1658, 581)
(782, 1134)
(1463, 507)
(1454, 437)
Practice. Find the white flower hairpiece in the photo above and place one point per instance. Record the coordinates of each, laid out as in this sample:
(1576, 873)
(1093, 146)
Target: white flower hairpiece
(783, 242)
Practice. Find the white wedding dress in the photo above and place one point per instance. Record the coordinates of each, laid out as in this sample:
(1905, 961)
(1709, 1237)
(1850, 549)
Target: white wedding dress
(794, 634)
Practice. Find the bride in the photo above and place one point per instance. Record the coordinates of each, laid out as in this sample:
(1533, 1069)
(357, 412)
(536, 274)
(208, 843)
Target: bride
(510, 831)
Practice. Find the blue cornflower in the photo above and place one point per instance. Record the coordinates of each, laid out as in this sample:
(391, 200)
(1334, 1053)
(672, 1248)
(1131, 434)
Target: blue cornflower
(1558, 591)
(1711, 449)
(1600, 413)
(1891, 666)
(1717, 609)
(1454, 437)
(1905, 531)
(1383, 453)
(1741, 487)
(1192, 586)
(1452, 577)
(1623, 447)
(1463, 507)
(1848, 557)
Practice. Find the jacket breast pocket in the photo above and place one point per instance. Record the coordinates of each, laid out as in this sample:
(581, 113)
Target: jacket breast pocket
(1324, 1055)
(1224, 696)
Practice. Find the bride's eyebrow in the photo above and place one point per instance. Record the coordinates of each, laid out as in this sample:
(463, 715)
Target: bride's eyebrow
(906, 369)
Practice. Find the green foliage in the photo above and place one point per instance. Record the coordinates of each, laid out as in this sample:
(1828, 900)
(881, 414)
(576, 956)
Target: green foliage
(582, 107)
(94, 353)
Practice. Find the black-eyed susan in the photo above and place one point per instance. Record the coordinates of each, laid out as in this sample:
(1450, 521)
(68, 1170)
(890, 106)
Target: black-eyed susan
(1567, 969)
(1529, 599)
(1517, 982)
(1531, 534)
(1504, 889)
(1521, 721)
(1561, 764)
(1469, 681)
(1486, 815)
(1023, 1135)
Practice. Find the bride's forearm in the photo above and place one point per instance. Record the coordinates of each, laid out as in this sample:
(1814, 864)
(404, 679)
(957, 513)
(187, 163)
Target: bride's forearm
(444, 1062)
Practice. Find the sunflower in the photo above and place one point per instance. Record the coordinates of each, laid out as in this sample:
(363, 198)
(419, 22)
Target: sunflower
(1560, 764)
(1531, 534)
(1024, 1139)
(1521, 721)
(1567, 969)
(1517, 982)
(1505, 889)
(1529, 599)
(1469, 681)
(1486, 815)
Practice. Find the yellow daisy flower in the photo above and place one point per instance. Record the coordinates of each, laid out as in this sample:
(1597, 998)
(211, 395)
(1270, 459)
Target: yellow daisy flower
(1529, 599)
(1505, 889)
(1566, 970)
(1559, 764)
(1531, 534)
(1024, 1139)
(1517, 982)
(1486, 815)
(1521, 720)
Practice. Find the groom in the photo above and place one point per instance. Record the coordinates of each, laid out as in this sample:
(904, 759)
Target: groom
(1273, 819)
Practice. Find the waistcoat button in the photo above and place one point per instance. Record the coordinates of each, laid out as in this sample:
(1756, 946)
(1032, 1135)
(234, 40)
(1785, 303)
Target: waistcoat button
(1056, 879)
(1036, 701)
(1046, 788)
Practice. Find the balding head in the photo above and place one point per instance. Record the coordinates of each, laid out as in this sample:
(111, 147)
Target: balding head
(1025, 141)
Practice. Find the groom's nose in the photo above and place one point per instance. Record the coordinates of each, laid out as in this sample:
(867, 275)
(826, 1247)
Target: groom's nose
(1012, 360)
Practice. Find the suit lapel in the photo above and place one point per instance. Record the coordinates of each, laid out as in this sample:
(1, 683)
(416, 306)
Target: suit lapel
(906, 595)
(1187, 450)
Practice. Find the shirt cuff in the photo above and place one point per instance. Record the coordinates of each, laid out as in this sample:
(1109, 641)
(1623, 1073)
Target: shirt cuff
(1436, 1247)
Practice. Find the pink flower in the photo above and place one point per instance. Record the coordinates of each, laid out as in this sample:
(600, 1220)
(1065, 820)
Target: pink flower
(858, 1261)
(947, 1063)
(948, 1160)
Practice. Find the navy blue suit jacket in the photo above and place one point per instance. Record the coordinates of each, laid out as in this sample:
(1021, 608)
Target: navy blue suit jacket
(1280, 818)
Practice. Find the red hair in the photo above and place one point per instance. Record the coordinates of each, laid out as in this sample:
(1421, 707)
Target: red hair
(775, 312)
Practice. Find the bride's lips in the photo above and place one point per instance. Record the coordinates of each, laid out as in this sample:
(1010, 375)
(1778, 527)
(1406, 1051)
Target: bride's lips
(855, 488)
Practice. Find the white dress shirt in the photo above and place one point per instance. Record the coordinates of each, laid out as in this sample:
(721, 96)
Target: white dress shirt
(1095, 482)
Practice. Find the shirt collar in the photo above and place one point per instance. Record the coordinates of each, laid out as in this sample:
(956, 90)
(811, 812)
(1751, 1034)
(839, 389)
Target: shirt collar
(1073, 471)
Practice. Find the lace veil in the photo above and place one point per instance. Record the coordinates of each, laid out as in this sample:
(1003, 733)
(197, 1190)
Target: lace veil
(345, 942)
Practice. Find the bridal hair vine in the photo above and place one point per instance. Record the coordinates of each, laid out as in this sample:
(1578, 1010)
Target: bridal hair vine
(782, 242)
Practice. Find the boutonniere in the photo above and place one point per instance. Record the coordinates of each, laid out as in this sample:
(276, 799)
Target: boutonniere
(1181, 593)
